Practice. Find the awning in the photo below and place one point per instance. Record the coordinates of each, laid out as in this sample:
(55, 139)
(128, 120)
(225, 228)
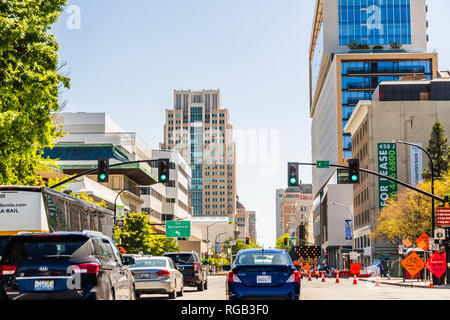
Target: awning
(96, 190)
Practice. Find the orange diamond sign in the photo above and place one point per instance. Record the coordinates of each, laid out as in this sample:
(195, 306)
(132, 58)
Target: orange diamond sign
(423, 242)
(413, 264)
(122, 250)
(307, 267)
(407, 243)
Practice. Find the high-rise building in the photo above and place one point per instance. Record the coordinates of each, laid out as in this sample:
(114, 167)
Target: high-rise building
(354, 46)
(200, 130)
(252, 225)
(279, 195)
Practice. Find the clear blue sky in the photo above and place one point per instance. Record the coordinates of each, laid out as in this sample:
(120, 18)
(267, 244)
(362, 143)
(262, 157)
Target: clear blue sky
(129, 56)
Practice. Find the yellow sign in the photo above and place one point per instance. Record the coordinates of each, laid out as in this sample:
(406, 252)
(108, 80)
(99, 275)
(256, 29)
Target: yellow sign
(413, 264)
(307, 267)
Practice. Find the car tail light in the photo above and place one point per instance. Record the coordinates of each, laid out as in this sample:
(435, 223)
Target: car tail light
(90, 268)
(163, 273)
(196, 266)
(232, 277)
(7, 270)
(295, 277)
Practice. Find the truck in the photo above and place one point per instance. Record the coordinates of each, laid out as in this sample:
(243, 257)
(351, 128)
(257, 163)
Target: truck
(41, 209)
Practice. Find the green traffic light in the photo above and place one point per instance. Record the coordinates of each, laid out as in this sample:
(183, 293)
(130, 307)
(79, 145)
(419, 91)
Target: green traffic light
(163, 177)
(354, 178)
(102, 176)
(293, 180)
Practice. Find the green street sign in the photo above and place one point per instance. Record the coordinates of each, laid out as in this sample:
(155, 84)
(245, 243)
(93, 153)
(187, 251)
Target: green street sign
(323, 164)
(178, 229)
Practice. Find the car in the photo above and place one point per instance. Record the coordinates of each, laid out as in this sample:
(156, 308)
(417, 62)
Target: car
(263, 274)
(64, 265)
(3, 242)
(157, 275)
(195, 273)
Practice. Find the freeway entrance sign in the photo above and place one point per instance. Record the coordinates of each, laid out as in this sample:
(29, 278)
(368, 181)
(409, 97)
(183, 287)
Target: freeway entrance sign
(323, 164)
(178, 229)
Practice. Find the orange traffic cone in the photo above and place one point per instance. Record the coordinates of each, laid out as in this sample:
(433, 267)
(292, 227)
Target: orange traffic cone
(309, 278)
(337, 277)
(431, 281)
(355, 281)
(323, 276)
(377, 282)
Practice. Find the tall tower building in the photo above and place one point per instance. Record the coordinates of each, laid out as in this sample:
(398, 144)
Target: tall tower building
(199, 128)
(355, 45)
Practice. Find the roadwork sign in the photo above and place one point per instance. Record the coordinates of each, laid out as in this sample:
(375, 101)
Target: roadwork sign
(413, 264)
(436, 264)
(423, 242)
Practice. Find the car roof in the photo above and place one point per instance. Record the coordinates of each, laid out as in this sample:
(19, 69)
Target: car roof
(88, 234)
(257, 250)
(187, 252)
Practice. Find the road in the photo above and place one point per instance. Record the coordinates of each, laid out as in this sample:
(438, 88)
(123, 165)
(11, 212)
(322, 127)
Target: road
(316, 290)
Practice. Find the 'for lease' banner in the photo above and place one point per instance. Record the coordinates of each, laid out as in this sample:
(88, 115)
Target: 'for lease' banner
(387, 165)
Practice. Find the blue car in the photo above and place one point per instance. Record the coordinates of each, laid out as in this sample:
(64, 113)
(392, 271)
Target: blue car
(263, 274)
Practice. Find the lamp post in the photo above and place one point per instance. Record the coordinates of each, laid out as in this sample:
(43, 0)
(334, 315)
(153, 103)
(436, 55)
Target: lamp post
(207, 234)
(115, 202)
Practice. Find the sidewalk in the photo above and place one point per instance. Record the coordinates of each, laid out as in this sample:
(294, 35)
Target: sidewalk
(407, 283)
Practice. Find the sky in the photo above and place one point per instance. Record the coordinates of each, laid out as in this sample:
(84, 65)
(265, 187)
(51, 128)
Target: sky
(125, 58)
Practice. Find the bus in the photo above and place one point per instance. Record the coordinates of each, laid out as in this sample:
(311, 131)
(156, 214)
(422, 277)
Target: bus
(41, 209)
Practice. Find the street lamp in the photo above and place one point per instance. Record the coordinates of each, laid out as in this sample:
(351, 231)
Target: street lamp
(207, 233)
(432, 177)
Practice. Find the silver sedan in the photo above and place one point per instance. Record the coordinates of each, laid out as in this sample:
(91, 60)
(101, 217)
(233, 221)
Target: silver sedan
(157, 275)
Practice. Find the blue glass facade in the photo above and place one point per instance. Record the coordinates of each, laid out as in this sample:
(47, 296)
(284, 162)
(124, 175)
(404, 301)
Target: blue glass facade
(359, 80)
(374, 22)
(197, 160)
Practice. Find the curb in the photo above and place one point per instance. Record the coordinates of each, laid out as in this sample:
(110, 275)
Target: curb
(398, 284)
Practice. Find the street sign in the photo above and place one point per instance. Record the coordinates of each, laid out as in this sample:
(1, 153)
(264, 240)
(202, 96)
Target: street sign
(401, 249)
(439, 234)
(178, 229)
(423, 242)
(434, 245)
(323, 164)
(407, 243)
(348, 229)
(355, 268)
(413, 264)
(443, 216)
(232, 243)
(354, 255)
(307, 267)
(436, 264)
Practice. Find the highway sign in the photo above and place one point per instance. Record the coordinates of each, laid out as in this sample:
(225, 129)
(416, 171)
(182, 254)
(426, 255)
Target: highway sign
(443, 216)
(178, 229)
(323, 164)
(413, 264)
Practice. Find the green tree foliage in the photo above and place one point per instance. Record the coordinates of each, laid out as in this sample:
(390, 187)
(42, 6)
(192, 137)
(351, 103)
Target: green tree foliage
(240, 245)
(29, 86)
(138, 235)
(409, 214)
(280, 242)
(438, 150)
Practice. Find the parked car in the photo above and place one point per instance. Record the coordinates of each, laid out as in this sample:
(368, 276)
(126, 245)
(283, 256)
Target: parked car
(64, 265)
(195, 273)
(263, 274)
(157, 275)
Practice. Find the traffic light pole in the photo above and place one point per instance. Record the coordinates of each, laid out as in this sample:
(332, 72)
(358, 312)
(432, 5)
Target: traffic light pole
(430, 195)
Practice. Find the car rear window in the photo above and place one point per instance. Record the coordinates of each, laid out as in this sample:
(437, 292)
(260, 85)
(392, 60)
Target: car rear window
(140, 263)
(263, 258)
(38, 248)
(182, 258)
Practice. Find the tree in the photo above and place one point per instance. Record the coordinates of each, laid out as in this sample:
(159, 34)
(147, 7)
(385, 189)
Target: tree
(138, 235)
(280, 242)
(409, 214)
(438, 150)
(29, 86)
(240, 245)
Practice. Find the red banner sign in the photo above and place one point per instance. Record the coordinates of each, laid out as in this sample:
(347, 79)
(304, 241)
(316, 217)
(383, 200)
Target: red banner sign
(355, 268)
(443, 216)
(437, 264)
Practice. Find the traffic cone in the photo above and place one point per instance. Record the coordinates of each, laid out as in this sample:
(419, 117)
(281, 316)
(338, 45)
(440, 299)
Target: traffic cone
(323, 276)
(377, 282)
(337, 277)
(309, 278)
(355, 281)
(431, 281)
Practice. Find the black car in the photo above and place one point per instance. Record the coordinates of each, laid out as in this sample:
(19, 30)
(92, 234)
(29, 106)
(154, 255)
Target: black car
(195, 273)
(64, 265)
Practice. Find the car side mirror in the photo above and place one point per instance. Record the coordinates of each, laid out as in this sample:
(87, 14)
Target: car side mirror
(128, 261)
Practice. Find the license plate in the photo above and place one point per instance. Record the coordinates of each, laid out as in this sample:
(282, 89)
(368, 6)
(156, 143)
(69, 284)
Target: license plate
(145, 275)
(263, 279)
(44, 285)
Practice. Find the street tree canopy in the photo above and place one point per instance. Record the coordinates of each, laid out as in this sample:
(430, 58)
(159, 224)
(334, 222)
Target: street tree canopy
(29, 86)
(409, 214)
(438, 150)
(280, 242)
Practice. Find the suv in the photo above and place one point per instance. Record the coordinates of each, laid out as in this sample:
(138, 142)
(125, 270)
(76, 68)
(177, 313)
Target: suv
(195, 273)
(64, 265)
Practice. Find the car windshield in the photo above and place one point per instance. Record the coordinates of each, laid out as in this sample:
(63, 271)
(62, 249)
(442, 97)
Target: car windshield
(45, 247)
(265, 258)
(140, 263)
(182, 258)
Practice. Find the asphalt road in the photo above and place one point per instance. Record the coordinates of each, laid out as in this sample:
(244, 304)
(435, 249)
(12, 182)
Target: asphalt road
(316, 290)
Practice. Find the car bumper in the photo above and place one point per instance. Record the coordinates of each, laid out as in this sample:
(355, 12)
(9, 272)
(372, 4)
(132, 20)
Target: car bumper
(155, 286)
(243, 292)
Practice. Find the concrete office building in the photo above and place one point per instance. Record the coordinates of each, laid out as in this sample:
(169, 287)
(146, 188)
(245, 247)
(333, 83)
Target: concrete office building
(354, 46)
(404, 110)
(252, 225)
(200, 130)
(242, 220)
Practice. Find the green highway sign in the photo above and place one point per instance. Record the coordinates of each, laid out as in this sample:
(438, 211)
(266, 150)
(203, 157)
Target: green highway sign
(323, 164)
(178, 229)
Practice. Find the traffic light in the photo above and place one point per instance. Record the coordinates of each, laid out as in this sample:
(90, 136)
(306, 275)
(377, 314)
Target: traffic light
(206, 255)
(163, 170)
(247, 240)
(353, 170)
(292, 174)
(285, 241)
(103, 170)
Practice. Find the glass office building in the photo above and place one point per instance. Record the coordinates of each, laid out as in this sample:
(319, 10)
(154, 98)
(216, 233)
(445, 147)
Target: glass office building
(359, 79)
(374, 22)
